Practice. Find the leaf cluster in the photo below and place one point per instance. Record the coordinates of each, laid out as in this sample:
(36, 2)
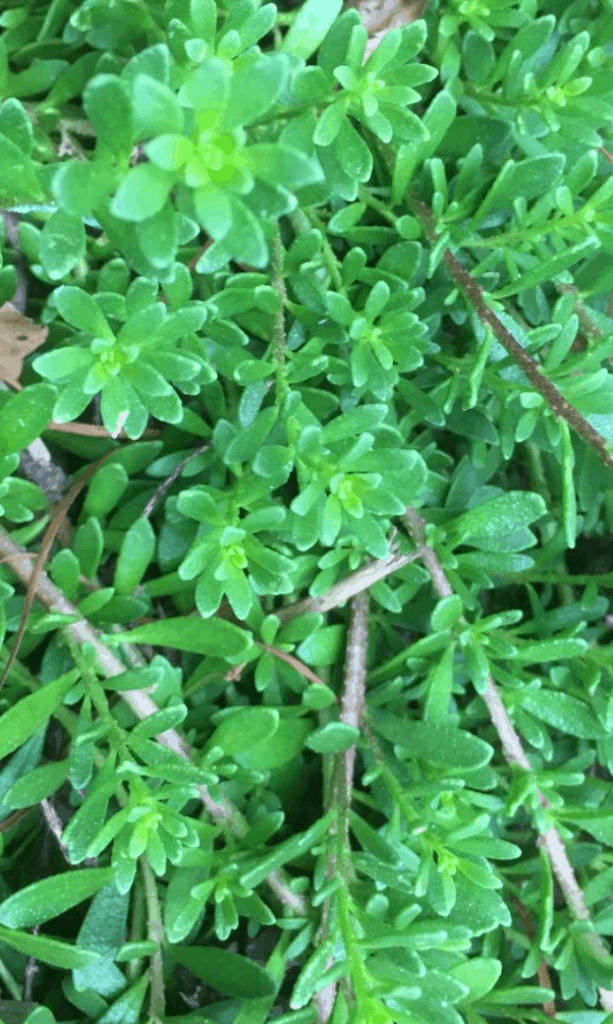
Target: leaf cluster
(297, 297)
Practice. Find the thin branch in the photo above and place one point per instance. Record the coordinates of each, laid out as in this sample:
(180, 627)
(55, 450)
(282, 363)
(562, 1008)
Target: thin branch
(359, 581)
(352, 704)
(354, 692)
(223, 811)
(543, 975)
(514, 753)
(160, 491)
(534, 371)
(55, 825)
(279, 341)
(155, 932)
(31, 970)
(582, 312)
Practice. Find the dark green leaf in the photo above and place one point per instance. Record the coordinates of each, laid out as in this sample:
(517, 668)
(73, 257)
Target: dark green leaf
(229, 973)
(433, 742)
(25, 717)
(563, 712)
(52, 896)
(212, 637)
(50, 951)
(24, 417)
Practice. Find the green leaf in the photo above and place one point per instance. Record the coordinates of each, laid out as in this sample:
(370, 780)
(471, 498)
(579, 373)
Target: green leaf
(563, 712)
(354, 422)
(105, 489)
(246, 444)
(37, 785)
(17, 175)
(549, 269)
(520, 995)
(233, 975)
(479, 974)
(155, 107)
(62, 244)
(244, 728)
(285, 745)
(503, 516)
(72, 187)
(446, 613)
(282, 165)
(293, 847)
(333, 738)
(50, 951)
(142, 193)
(52, 896)
(555, 649)
(16, 125)
(245, 238)
(253, 89)
(153, 60)
(80, 310)
(527, 179)
(135, 556)
(322, 647)
(310, 26)
(25, 717)
(440, 685)
(127, 1009)
(103, 932)
(188, 633)
(24, 416)
(158, 237)
(438, 744)
(106, 99)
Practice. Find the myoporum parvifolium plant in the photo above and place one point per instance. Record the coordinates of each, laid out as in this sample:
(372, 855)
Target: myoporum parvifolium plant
(306, 711)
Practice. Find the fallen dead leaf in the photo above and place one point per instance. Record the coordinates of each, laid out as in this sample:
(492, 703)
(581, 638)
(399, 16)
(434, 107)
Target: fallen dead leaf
(19, 335)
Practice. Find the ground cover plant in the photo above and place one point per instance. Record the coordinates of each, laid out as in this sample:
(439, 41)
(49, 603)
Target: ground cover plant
(306, 458)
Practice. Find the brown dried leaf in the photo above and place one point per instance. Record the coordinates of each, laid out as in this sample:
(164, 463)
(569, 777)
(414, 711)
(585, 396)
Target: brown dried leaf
(19, 335)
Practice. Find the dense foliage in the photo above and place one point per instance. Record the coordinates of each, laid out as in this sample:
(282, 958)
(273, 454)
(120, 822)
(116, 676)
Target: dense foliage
(311, 717)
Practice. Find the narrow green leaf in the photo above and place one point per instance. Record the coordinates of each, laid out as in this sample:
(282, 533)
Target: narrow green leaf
(233, 975)
(433, 742)
(563, 712)
(440, 684)
(526, 179)
(50, 951)
(188, 633)
(52, 896)
(284, 852)
(556, 649)
(36, 785)
(26, 717)
(547, 270)
(135, 556)
(569, 497)
(310, 27)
